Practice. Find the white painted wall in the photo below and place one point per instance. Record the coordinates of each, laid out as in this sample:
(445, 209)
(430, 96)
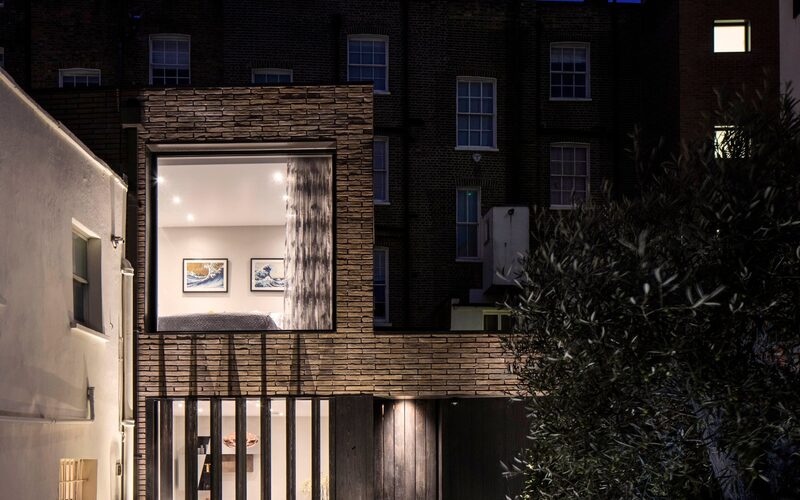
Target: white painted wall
(237, 244)
(790, 47)
(46, 180)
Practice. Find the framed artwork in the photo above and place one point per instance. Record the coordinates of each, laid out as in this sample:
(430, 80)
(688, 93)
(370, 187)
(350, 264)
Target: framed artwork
(267, 275)
(205, 275)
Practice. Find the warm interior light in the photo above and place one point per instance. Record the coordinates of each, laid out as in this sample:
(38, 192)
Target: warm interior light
(160, 179)
(731, 36)
(285, 197)
(176, 200)
(277, 177)
(190, 217)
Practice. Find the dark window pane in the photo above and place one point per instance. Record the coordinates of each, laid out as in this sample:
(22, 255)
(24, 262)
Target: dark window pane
(490, 322)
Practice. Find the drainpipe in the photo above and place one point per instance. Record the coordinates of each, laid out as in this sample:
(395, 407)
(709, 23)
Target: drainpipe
(125, 360)
(41, 419)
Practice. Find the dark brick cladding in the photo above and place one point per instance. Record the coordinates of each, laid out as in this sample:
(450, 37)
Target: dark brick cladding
(430, 45)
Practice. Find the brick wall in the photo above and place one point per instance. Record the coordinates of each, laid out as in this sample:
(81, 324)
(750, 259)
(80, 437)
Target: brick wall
(352, 360)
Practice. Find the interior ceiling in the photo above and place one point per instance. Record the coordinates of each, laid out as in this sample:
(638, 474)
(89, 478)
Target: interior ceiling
(221, 191)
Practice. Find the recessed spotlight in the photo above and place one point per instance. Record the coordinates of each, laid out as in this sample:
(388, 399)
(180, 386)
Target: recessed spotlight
(285, 197)
(176, 200)
(277, 177)
(160, 180)
(190, 217)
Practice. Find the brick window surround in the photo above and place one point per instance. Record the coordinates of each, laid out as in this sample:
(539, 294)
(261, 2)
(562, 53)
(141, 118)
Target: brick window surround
(79, 77)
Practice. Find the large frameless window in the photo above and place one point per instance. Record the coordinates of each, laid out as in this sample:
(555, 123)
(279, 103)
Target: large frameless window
(244, 243)
(265, 448)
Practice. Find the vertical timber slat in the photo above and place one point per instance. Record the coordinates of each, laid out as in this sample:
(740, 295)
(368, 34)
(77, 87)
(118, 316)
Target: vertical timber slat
(151, 450)
(266, 446)
(165, 451)
(241, 448)
(190, 425)
(316, 463)
(216, 449)
(291, 443)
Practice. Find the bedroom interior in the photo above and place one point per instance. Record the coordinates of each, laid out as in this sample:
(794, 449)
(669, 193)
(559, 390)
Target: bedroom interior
(239, 241)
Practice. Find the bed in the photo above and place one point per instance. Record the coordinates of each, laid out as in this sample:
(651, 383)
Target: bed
(215, 322)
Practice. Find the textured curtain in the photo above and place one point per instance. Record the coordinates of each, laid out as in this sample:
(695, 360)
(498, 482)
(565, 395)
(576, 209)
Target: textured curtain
(309, 256)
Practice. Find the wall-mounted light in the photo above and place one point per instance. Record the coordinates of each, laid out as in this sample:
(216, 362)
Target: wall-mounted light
(286, 197)
(176, 200)
(116, 240)
(277, 177)
(190, 217)
(159, 180)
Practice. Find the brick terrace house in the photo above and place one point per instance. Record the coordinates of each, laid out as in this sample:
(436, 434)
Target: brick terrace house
(320, 196)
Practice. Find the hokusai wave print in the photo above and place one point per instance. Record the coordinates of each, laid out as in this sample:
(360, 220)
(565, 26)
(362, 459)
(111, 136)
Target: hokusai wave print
(205, 275)
(267, 275)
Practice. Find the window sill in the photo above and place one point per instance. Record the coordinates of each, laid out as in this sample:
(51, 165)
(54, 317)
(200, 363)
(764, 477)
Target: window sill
(85, 330)
(376, 202)
(469, 260)
(570, 99)
(476, 148)
(381, 92)
(381, 324)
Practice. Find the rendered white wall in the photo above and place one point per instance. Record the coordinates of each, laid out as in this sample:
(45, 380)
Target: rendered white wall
(46, 180)
(238, 245)
(790, 47)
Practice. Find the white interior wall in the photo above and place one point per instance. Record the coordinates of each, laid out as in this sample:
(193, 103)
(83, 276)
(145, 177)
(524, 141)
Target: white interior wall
(237, 244)
(45, 367)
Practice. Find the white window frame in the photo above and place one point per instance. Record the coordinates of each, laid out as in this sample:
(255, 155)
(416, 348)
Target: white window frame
(385, 140)
(482, 80)
(93, 318)
(495, 312)
(271, 71)
(573, 45)
(169, 37)
(78, 72)
(370, 38)
(77, 479)
(588, 169)
(385, 319)
(478, 246)
(730, 23)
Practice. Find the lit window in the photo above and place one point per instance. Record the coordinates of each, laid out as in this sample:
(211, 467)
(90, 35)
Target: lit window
(77, 479)
(271, 75)
(732, 36)
(476, 113)
(78, 77)
(569, 71)
(569, 174)
(730, 144)
(467, 212)
(380, 284)
(368, 61)
(380, 169)
(169, 60)
(497, 321)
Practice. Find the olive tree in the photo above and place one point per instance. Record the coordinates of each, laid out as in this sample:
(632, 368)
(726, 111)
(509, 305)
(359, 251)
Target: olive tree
(658, 336)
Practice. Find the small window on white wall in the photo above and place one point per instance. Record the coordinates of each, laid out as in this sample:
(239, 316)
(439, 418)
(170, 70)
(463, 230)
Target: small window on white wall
(732, 36)
(368, 60)
(271, 75)
(170, 60)
(380, 169)
(78, 77)
(380, 284)
(468, 207)
(569, 174)
(476, 113)
(77, 479)
(87, 308)
(569, 71)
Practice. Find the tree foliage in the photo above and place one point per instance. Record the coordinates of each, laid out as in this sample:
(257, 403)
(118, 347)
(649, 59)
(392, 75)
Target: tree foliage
(659, 335)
